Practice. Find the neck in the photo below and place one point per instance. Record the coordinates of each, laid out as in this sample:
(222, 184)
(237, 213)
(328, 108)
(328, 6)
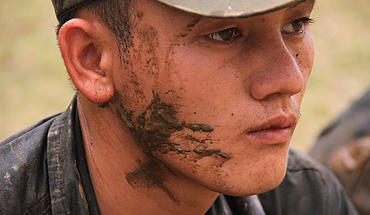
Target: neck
(125, 179)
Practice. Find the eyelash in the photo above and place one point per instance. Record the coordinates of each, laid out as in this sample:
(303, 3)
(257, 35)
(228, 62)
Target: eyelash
(304, 21)
(235, 32)
(219, 34)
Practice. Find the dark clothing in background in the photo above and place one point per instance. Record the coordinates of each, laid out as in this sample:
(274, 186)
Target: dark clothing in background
(344, 147)
(43, 171)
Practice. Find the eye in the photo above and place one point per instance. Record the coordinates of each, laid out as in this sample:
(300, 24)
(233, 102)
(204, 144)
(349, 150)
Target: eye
(224, 35)
(296, 26)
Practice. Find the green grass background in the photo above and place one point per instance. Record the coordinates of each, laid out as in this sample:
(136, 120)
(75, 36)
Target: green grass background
(34, 83)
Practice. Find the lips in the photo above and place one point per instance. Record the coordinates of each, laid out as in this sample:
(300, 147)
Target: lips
(274, 131)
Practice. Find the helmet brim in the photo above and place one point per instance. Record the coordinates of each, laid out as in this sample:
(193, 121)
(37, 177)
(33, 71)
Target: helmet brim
(231, 8)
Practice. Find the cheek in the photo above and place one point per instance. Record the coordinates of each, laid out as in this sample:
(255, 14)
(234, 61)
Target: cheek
(238, 173)
(305, 54)
(202, 80)
(144, 72)
(307, 60)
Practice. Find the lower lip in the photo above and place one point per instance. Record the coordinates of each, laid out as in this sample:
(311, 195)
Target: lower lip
(271, 135)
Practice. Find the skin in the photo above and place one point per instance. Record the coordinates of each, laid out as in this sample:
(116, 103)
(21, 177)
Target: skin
(245, 92)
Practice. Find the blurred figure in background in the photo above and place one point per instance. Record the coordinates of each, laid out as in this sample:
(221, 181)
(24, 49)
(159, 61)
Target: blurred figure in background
(344, 146)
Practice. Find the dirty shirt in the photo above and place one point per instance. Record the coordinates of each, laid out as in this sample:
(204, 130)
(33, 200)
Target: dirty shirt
(43, 171)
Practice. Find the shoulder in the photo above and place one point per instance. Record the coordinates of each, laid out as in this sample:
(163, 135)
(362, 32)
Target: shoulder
(309, 176)
(308, 188)
(23, 170)
(300, 161)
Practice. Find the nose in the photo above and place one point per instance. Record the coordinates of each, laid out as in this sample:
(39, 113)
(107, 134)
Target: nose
(276, 71)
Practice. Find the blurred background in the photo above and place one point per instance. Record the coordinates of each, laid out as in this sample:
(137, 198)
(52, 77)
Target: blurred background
(34, 83)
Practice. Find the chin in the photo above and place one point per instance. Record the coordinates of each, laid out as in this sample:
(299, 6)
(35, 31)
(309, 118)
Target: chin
(250, 190)
(259, 181)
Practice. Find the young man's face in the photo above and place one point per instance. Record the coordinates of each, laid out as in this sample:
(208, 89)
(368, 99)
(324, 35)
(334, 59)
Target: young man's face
(216, 100)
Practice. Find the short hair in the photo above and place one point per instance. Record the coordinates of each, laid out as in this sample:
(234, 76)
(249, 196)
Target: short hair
(115, 14)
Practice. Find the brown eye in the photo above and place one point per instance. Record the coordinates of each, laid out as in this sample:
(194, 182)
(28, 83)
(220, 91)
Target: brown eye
(296, 26)
(223, 35)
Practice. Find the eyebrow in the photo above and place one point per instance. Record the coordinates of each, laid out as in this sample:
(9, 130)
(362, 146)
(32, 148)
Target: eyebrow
(195, 21)
(306, 2)
(311, 2)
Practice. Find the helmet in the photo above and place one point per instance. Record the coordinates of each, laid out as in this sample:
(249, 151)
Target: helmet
(209, 8)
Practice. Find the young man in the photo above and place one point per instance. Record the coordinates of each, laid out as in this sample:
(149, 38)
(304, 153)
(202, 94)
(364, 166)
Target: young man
(182, 107)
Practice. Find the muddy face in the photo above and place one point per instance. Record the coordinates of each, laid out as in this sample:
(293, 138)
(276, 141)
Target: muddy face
(206, 109)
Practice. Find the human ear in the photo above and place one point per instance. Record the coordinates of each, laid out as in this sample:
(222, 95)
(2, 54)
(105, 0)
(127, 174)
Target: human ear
(85, 54)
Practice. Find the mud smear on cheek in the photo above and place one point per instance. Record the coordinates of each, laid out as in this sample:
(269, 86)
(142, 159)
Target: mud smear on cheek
(210, 152)
(152, 134)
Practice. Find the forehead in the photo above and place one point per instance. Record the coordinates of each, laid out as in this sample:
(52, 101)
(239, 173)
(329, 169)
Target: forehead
(156, 12)
(159, 12)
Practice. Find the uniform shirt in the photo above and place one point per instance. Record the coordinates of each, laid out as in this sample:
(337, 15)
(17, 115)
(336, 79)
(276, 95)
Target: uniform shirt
(43, 171)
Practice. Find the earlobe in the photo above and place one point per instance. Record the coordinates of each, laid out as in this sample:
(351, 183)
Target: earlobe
(82, 51)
